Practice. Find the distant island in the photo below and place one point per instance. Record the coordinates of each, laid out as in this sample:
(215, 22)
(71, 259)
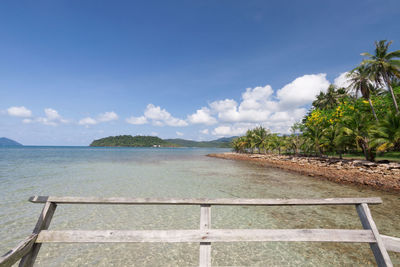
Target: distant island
(153, 141)
(8, 142)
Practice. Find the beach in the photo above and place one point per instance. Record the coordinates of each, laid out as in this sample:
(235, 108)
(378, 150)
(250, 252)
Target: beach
(382, 176)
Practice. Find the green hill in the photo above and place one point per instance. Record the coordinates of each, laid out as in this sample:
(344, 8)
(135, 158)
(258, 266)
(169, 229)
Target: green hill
(221, 143)
(8, 142)
(150, 141)
(131, 141)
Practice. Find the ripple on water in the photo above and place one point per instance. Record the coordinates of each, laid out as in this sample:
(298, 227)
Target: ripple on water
(176, 173)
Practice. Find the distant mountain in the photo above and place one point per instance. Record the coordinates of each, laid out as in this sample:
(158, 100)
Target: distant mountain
(151, 141)
(8, 142)
(221, 142)
(226, 139)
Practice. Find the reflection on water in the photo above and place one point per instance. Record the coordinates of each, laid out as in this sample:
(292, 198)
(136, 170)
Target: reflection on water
(132, 172)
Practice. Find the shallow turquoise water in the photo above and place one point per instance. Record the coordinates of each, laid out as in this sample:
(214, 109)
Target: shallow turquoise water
(142, 172)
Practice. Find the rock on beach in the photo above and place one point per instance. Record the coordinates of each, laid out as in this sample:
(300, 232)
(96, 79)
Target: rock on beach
(382, 176)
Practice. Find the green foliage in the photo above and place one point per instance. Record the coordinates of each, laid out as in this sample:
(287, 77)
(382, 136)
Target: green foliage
(220, 143)
(362, 118)
(131, 141)
(149, 141)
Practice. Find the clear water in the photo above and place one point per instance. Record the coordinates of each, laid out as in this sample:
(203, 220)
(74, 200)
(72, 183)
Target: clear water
(135, 172)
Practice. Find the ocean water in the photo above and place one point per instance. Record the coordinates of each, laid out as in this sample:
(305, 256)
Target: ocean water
(177, 173)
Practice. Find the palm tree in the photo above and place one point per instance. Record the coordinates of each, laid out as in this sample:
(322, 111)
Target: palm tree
(260, 136)
(356, 129)
(314, 133)
(360, 82)
(240, 144)
(274, 143)
(328, 100)
(387, 135)
(383, 66)
(295, 141)
(250, 140)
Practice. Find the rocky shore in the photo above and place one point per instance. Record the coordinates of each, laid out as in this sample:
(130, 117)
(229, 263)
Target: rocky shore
(384, 176)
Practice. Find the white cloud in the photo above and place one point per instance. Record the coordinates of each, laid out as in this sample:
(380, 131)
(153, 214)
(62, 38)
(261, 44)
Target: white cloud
(162, 117)
(202, 116)
(87, 121)
(52, 117)
(107, 116)
(205, 131)
(227, 130)
(179, 133)
(302, 90)
(102, 117)
(223, 105)
(256, 98)
(137, 120)
(261, 106)
(52, 114)
(342, 80)
(256, 106)
(19, 112)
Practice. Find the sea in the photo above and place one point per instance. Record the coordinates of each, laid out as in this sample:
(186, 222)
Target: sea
(177, 173)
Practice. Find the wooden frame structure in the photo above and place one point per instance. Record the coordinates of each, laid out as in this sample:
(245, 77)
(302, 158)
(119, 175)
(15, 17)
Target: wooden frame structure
(205, 235)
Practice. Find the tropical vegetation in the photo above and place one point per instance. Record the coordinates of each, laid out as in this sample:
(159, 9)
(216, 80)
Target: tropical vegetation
(150, 141)
(360, 118)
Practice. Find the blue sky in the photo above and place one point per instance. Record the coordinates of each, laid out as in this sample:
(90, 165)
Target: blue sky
(72, 71)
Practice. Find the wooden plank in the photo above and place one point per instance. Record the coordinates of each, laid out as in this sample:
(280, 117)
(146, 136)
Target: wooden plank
(42, 224)
(391, 243)
(205, 247)
(204, 201)
(18, 252)
(212, 235)
(378, 248)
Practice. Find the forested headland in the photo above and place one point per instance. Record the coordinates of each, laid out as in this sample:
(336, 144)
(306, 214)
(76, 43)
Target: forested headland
(153, 141)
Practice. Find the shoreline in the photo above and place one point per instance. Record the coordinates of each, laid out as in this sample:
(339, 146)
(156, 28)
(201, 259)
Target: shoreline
(383, 176)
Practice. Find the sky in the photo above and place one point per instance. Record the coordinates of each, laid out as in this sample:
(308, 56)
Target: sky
(75, 71)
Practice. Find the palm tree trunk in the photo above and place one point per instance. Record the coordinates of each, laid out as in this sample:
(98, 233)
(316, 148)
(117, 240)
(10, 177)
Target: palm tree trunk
(391, 92)
(372, 108)
(365, 151)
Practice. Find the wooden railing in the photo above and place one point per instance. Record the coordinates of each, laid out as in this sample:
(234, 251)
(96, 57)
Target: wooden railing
(29, 248)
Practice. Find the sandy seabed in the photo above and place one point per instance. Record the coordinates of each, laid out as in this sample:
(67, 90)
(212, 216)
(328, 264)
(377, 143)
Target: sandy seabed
(382, 176)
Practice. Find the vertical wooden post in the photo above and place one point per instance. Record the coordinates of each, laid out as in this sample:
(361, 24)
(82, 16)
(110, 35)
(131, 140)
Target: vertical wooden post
(205, 247)
(378, 248)
(42, 224)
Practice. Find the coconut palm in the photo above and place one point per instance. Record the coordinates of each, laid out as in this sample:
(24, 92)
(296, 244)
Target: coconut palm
(315, 134)
(328, 100)
(251, 142)
(356, 129)
(360, 82)
(295, 140)
(274, 143)
(260, 137)
(387, 135)
(240, 144)
(383, 66)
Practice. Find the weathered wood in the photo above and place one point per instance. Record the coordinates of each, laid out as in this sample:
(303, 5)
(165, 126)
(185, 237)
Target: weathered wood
(205, 235)
(378, 248)
(204, 201)
(391, 243)
(211, 235)
(205, 247)
(18, 252)
(42, 224)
